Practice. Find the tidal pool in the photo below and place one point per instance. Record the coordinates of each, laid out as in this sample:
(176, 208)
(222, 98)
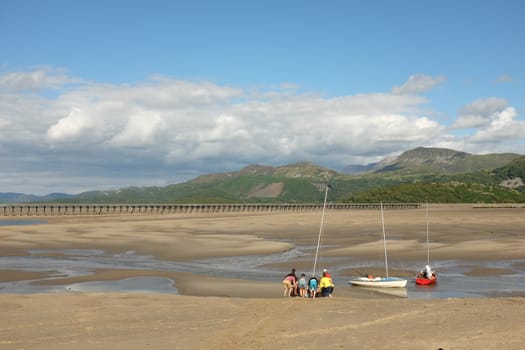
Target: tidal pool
(454, 280)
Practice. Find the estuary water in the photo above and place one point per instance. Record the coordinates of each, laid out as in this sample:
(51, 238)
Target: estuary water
(454, 280)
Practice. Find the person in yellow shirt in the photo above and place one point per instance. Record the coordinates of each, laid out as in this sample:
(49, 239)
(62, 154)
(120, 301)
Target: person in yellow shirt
(326, 285)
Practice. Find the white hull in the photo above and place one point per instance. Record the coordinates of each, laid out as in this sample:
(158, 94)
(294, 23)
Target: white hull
(379, 282)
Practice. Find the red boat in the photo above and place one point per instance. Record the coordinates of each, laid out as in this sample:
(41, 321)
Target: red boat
(422, 276)
(422, 280)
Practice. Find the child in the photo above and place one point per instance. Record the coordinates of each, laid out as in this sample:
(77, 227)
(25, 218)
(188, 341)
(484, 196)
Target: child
(313, 283)
(303, 286)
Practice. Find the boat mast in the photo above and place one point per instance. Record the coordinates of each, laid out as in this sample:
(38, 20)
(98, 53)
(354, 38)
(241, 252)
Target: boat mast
(384, 238)
(428, 248)
(320, 231)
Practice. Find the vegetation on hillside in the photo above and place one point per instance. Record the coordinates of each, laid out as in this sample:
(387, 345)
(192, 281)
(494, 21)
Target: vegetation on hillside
(418, 175)
(446, 192)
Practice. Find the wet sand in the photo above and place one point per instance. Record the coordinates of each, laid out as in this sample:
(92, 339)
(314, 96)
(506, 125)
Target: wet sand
(214, 312)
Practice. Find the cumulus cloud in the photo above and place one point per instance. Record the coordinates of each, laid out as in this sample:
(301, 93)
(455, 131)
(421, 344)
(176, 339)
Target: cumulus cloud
(42, 78)
(503, 126)
(79, 127)
(479, 113)
(150, 130)
(139, 131)
(418, 83)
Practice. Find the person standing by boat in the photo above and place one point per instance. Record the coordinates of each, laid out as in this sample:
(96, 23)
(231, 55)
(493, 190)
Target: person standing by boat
(289, 283)
(327, 285)
(303, 286)
(313, 285)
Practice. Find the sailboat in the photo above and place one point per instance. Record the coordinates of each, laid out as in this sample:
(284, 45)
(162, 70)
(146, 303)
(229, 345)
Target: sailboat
(427, 276)
(320, 228)
(383, 282)
(328, 290)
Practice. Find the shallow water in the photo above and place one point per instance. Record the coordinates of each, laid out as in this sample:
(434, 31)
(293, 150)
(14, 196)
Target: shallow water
(454, 280)
(17, 222)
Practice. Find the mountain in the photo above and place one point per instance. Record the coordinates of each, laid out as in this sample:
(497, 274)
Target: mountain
(295, 183)
(420, 174)
(438, 160)
(385, 163)
(13, 197)
(447, 176)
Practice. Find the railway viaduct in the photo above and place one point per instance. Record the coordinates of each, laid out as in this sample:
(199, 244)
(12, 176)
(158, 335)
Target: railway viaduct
(157, 209)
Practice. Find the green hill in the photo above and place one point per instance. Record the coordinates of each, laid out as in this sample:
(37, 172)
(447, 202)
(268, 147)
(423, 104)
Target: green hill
(422, 174)
(446, 192)
(423, 160)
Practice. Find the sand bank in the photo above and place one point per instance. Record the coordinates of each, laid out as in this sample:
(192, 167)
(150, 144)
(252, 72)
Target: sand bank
(222, 313)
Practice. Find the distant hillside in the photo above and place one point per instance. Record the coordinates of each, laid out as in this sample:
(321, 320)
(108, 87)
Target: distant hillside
(295, 183)
(514, 169)
(417, 175)
(13, 197)
(485, 185)
(440, 160)
(446, 192)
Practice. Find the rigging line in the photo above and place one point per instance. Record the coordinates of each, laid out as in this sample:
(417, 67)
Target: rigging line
(428, 248)
(320, 231)
(384, 238)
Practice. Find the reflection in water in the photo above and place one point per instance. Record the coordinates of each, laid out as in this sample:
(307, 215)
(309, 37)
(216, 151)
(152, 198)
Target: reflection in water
(454, 280)
(11, 222)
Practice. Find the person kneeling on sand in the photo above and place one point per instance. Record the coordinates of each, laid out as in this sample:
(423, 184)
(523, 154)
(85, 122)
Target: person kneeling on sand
(327, 285)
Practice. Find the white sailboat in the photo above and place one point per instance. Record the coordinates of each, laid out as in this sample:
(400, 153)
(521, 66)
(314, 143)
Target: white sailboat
(383, 282)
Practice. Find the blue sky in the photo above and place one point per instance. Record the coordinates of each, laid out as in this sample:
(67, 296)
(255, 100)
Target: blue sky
(107, 94)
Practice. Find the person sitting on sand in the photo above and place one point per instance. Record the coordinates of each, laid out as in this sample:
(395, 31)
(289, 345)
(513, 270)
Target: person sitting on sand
(289, 282)
(313, 284)
(327, 285)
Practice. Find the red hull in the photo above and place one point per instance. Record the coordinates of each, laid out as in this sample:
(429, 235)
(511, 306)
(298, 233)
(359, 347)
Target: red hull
(425, 281)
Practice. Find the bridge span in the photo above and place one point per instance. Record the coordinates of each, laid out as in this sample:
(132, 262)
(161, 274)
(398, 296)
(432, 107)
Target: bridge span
(148, 209)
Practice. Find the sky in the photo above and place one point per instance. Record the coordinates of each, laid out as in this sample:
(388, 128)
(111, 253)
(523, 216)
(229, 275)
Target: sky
(99, 95)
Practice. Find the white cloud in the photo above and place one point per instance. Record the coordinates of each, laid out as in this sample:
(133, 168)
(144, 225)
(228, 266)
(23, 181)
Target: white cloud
(503, 126)
(77, 126)
(479, 113)
(42, 78)
(139, 131)
(418, 83)
(4, 122)
(160, 127)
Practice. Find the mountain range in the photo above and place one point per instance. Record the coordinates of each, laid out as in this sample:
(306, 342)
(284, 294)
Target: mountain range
(420, 174)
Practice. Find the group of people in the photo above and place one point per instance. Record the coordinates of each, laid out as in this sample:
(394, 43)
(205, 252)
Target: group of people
(310, 288)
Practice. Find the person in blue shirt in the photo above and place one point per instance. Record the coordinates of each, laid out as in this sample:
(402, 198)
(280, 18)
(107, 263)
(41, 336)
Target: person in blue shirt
(313, 285)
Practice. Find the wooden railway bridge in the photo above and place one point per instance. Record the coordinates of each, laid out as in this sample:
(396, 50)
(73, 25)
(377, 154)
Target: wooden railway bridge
(148, 209)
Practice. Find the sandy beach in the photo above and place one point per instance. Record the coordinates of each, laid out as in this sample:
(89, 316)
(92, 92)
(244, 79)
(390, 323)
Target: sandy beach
(228, 313)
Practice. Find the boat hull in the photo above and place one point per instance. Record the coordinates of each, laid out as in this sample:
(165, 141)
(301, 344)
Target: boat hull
(426, 281)
(379, 282)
